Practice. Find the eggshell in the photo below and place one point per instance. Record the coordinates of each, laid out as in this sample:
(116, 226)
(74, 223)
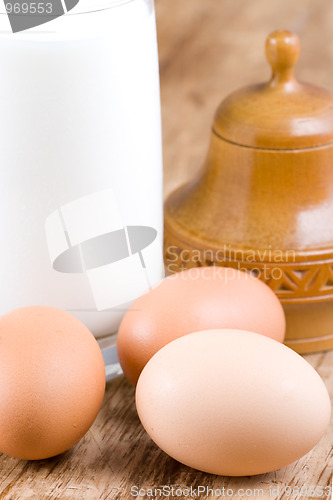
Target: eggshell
(52, 382)
(233, 403)
(193, 300)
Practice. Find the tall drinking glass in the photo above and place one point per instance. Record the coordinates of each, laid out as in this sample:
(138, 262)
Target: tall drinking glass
(80, 159)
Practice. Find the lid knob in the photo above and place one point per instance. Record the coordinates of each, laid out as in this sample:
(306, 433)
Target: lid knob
(282, 51)
(281, 114)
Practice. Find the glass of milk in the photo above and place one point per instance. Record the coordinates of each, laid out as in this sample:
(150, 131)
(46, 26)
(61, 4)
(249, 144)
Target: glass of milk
(81, 217)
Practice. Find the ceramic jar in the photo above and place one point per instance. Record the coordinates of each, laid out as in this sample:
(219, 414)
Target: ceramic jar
(263, 201)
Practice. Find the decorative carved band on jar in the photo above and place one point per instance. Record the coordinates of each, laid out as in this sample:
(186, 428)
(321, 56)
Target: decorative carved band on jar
(263, 201)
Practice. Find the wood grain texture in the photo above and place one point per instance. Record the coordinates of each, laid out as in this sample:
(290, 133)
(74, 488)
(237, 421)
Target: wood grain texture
(207, 49)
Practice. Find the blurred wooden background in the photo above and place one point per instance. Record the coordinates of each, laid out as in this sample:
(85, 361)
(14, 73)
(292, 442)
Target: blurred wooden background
(207, 49)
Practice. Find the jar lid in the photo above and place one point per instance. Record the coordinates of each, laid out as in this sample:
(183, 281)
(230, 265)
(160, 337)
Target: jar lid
(282, 113)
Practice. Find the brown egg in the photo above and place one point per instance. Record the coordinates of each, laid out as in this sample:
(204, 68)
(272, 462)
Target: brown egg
(196, 299)
(232, 402)
(52, 382)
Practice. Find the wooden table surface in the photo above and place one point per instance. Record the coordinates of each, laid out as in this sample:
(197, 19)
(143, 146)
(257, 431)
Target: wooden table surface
(207, 49)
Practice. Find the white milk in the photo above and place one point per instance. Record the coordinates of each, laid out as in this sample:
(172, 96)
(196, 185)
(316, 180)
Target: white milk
(80, 159)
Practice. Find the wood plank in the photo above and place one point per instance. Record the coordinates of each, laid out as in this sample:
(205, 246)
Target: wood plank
(117, 455)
